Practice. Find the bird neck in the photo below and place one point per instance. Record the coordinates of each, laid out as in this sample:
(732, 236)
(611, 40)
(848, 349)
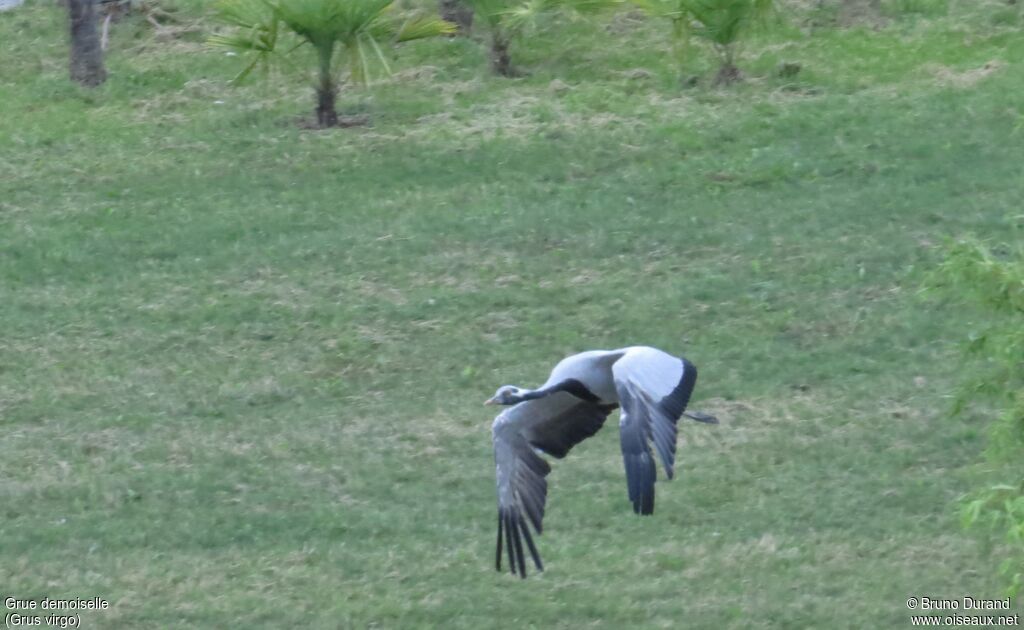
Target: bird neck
(530, 394)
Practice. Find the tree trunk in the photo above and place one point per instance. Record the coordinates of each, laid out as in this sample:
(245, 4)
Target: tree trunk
(728, 74)
(326, 114)
(86, 54)
(458, 13)
(326, 90)
(501, 62)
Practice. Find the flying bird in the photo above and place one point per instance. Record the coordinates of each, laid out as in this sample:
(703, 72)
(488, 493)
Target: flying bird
(652, 388)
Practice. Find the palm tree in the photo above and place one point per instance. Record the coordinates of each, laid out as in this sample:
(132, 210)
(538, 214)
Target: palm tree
(358, 29)
(507, 19)
(721, 22)
(501, 25)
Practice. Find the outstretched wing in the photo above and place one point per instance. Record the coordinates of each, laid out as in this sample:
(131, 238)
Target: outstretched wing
(553, 424)
(654, 389)
(522, 490)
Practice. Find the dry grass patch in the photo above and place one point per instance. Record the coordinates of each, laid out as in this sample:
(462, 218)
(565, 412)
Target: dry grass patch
(948, 77)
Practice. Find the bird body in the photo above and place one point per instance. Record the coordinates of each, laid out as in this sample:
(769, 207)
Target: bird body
(652, 387)
(592, 368)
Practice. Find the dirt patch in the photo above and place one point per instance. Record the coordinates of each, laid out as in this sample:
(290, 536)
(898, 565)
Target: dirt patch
(344, 122)
(419, 73)
(636, 74)
(946, 76)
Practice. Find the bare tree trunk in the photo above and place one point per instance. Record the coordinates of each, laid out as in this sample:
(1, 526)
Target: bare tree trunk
(728, 73)
(326, 89)
(86, 54)
(501, 62)
(458, 13)
(326, 114)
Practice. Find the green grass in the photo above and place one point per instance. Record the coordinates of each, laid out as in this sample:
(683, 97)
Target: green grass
(242, 362)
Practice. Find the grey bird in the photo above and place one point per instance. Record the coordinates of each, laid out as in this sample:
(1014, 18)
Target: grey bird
(652, 388)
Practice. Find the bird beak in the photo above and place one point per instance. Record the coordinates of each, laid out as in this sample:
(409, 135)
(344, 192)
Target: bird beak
(490, 401)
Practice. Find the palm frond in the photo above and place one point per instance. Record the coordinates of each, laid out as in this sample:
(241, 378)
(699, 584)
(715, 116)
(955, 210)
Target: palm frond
(722, 21)
(358, 62)
(244, 13)
(256, 35)
(375, 47)
(523, 16)
(239, 42)
(422, 27)
(249, 68)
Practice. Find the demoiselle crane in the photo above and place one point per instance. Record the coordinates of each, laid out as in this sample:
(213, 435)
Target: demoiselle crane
(652, 388)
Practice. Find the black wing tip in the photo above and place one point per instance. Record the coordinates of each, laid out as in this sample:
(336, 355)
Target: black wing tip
(644, 505)
(640, 478)
(515, 528)
(643, 509)
(517, 538)
(508, 542)
(529, 543)
(674, 404)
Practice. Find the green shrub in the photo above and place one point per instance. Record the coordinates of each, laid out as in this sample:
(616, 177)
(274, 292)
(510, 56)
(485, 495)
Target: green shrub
(994, 279)
(506, 19)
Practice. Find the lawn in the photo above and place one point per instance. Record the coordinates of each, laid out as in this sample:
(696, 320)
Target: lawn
(242, 361)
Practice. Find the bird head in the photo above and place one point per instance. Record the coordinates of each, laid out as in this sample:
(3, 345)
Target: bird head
(506, 395)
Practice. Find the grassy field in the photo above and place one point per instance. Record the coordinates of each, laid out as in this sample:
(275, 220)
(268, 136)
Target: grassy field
(242, 362)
